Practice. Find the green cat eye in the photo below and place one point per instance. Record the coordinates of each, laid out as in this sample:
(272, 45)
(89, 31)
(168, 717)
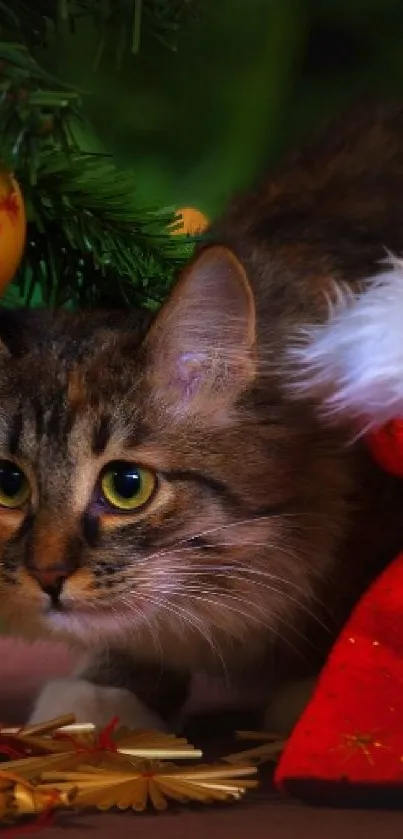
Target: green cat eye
(127, 487)
(14, 487)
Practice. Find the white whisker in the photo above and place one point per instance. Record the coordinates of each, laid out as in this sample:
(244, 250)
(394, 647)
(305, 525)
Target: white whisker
(191, 620)
(271, 625)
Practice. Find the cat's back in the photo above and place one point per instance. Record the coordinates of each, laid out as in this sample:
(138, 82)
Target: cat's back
(329, 213)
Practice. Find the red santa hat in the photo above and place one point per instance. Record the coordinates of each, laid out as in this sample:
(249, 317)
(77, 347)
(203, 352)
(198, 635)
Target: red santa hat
(355, 360)
(348, 745)
(353, 364)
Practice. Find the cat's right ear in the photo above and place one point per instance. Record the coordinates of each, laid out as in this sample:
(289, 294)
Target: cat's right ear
(201, 346)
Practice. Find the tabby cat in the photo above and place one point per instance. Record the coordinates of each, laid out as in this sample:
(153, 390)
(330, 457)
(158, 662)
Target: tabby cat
(169, 503)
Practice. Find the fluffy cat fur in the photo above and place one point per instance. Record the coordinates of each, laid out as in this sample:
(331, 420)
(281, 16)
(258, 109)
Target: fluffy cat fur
(266, 524)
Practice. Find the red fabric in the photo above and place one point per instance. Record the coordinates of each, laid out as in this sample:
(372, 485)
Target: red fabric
(352, 729)
(386, 445)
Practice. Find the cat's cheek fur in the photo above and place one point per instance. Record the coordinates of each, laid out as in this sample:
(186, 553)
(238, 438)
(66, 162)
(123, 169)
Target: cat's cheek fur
(93, 703)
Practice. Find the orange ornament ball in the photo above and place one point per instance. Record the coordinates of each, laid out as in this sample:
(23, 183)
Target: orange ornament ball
(13, 228)
(192, 222)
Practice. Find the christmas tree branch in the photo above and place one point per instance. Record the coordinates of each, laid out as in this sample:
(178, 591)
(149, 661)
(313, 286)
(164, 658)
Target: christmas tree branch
(100, 233)
(90, 242)
(126, 20)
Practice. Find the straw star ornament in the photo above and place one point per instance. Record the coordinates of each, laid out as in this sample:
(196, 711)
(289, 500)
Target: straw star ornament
(62, 764)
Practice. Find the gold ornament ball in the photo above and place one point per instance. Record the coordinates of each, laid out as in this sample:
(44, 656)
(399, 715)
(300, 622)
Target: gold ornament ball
(192, 222)
(13, 228)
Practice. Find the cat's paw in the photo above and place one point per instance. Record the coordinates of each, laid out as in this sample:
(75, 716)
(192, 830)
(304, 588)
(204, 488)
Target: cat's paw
(93, 703)
(287, 705)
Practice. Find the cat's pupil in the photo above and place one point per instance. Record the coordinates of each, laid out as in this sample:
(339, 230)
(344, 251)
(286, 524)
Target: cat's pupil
(126, 482)
(11, 480)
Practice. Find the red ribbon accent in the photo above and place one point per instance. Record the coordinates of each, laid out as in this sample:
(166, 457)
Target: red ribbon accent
(104, 742)
(13, 747)
(14, 754)
(45, 819)
(105, 737)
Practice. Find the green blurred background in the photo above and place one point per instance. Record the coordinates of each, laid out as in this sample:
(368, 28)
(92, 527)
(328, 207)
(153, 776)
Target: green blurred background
(117, 113)
(245, 80)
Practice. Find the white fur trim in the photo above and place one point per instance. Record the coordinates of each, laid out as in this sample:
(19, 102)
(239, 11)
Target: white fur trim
(355, 361)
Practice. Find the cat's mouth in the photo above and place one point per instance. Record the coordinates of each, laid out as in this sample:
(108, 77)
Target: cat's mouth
(67, 607)
(57, 607)
(58, 604)
(82, 623)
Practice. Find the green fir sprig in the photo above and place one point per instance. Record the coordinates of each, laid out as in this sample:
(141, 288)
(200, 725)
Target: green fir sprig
(90, 239)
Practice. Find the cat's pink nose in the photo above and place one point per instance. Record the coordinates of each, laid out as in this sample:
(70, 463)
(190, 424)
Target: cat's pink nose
(51, 580)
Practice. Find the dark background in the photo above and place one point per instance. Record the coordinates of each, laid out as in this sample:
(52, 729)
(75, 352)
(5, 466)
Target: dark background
(246, 80)
(115, 114)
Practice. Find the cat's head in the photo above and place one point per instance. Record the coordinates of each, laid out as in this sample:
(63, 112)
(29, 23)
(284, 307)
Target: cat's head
(153, 488)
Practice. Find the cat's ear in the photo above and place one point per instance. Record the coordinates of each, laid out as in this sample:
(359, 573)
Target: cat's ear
(201, 345)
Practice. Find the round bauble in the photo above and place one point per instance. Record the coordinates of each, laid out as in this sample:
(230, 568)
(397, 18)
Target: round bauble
(13, 228)
(190, 221)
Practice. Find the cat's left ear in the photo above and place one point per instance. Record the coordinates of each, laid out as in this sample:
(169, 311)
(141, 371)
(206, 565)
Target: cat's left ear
(201, 345)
